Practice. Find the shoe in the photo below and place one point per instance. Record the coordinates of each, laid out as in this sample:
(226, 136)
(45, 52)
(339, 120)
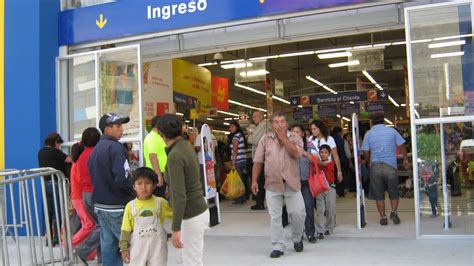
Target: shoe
(312, 239)
(320, 236)
(276, 254)
(257, 207)
(327, 233)
(383, 220)
(434, 215)
(298, 246)
(394, 217)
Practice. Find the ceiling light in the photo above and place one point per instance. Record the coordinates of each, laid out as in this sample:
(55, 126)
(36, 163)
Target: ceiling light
(225, 124)
(453, 37)
(338, 115)
(227, 113)
(446, 44)
(297, 54)
(261, 58)
(348, 63)
(187, 121)
(228, 118)
(403, 105)
(362, 47)
(249, 89)
(253, 73)
(320, 84)
(210, 119)
(388, 121)
(180, 114)
(399, 43)
(222, 131)
(237, 65)
(382, 44)
(333, 50)
(393, 101)
(378, 87)
(248, 106)
(417, 114)
(207, 64)
(223, 62)
(352, 102)
(447, 54)
(371, 79)
(280, 99)
(334, 55)
(300, 106)
(345, 118)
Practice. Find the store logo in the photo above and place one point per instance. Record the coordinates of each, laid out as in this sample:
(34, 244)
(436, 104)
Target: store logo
(168, 11)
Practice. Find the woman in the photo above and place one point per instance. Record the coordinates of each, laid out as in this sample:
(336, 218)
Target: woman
(52, 156)
(349, 154)
(238, 143)
(304, 161)
(90, 137)
(191, 216)
(321, 137)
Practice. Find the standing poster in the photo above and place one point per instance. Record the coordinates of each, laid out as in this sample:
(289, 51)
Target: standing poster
(208, 158)
(157, 88)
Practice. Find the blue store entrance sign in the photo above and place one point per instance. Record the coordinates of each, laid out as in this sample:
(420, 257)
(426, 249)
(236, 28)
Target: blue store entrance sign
(341, 97)
(133, 17)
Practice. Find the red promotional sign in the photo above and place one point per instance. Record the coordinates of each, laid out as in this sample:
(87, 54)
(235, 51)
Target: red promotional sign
(220, 93)
(372, 96)
(162, 108)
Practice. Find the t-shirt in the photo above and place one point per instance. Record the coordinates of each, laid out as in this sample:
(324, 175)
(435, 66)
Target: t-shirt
(52, 157)
(145, 208)
(241, 152)
(76, 186)
(154, 143)
(304, 168)
(315, 144)
(382, 143)
(83, 170)
(329, 171)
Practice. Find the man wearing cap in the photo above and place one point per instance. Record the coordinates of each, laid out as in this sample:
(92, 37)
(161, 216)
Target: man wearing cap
(110, 174)
(379, 146)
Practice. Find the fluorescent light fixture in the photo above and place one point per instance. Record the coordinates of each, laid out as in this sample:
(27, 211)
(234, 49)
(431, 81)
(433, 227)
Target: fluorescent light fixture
(446, 44)
(334, 55)
(228, 118)
(403, 105)
(225, 124)
(246, 105)
(352, 102)
(249, 89)
(348, 63)
(300, 106)
(338, 115)
(297, 54)
(388, 121)
(378, 87)
(253, 73)
(446, 80)
(280, 99)
(187, 121)
(421, 41)
(207, 64)
(222, 131)
(190, 127)
(417, 114)
(223, 62)
(237, 65)
(320, 84)
(399, 43)
(362, 47)
(333, 50)
(447, 54)
(345, 118)
(261, 58)
(382, 44)
(369, 77)
(227, 113)
(209, 119)
(453, 37)
(393, 101)
(180, 114)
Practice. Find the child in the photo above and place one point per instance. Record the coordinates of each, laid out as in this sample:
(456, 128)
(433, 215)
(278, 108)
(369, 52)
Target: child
(326, 201)
(143, 239)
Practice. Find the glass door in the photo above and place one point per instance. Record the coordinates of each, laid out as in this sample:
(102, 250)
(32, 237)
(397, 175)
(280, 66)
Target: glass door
(441, 66)
(92, 84)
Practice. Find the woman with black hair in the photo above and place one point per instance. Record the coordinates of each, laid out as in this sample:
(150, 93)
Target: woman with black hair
(191, 216)
(238, 146)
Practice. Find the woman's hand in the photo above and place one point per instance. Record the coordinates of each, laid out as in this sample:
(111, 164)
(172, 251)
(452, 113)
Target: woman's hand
(176, 239)
(126, 256)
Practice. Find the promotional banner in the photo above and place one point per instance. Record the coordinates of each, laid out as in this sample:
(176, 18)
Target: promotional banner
(220, 93)
(207, 146)
(157, 88)
(341, 97)
(369, 59)
(192, 80)
(279, 88)
(106, 21)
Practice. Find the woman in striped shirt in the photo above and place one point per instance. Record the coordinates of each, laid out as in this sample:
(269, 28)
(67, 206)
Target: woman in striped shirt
(238, 145)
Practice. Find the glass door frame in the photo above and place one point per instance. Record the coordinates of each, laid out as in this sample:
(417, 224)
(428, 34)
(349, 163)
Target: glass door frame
(429, 121)
(62, 97)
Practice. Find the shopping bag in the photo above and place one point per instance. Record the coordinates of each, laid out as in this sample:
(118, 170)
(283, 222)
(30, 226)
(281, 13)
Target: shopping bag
(233, 186)
(317, 180)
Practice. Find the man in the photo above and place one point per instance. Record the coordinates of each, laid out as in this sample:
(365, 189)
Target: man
(254, 136)
(279, 151)
(337, 136)
(379, 146)
(109, 171)
(155, 156)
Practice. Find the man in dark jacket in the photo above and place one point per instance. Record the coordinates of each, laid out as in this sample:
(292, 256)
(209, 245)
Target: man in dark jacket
(337, 135)
(110, 174)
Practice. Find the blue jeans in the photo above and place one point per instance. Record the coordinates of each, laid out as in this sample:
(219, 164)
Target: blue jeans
(309, 228)
(50, 195)
(110, 225)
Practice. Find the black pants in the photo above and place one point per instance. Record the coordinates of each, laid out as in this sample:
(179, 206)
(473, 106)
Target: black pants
(260, 197)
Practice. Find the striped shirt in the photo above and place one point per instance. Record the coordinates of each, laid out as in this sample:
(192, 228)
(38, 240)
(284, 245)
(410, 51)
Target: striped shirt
(241, 151)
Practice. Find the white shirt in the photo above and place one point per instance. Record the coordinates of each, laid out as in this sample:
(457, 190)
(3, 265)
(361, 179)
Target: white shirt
(315, 144)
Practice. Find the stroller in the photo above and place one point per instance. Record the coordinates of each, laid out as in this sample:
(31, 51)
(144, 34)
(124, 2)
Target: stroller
(429, 173)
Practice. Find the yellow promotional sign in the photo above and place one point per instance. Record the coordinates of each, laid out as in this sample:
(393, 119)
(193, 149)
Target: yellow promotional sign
(193, 114)
(192, 80)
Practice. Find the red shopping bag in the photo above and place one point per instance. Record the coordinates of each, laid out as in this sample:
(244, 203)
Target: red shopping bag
(317, 180)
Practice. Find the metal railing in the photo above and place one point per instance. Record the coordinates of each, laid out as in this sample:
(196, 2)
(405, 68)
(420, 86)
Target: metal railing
(26, 232)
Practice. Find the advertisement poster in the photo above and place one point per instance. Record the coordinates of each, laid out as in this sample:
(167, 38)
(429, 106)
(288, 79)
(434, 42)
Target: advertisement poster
(220, 93)
(157, 88)
(208, 158)
(192, 80)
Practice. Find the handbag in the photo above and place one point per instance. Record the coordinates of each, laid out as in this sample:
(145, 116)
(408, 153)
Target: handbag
(317, 180)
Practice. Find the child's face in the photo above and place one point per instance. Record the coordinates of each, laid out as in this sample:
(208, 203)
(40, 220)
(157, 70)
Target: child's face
(324, 154)
(144, 188)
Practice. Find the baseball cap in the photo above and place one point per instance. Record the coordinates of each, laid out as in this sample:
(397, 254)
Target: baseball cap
(110, 119)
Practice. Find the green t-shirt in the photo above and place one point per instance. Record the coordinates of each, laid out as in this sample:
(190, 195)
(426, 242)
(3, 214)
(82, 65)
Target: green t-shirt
(154, 143)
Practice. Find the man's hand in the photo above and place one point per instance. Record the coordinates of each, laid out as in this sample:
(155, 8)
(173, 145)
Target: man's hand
(280, 133)
(339, 177)
(254, 188)
(126, 256)
(161, 181)
(176, 239)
